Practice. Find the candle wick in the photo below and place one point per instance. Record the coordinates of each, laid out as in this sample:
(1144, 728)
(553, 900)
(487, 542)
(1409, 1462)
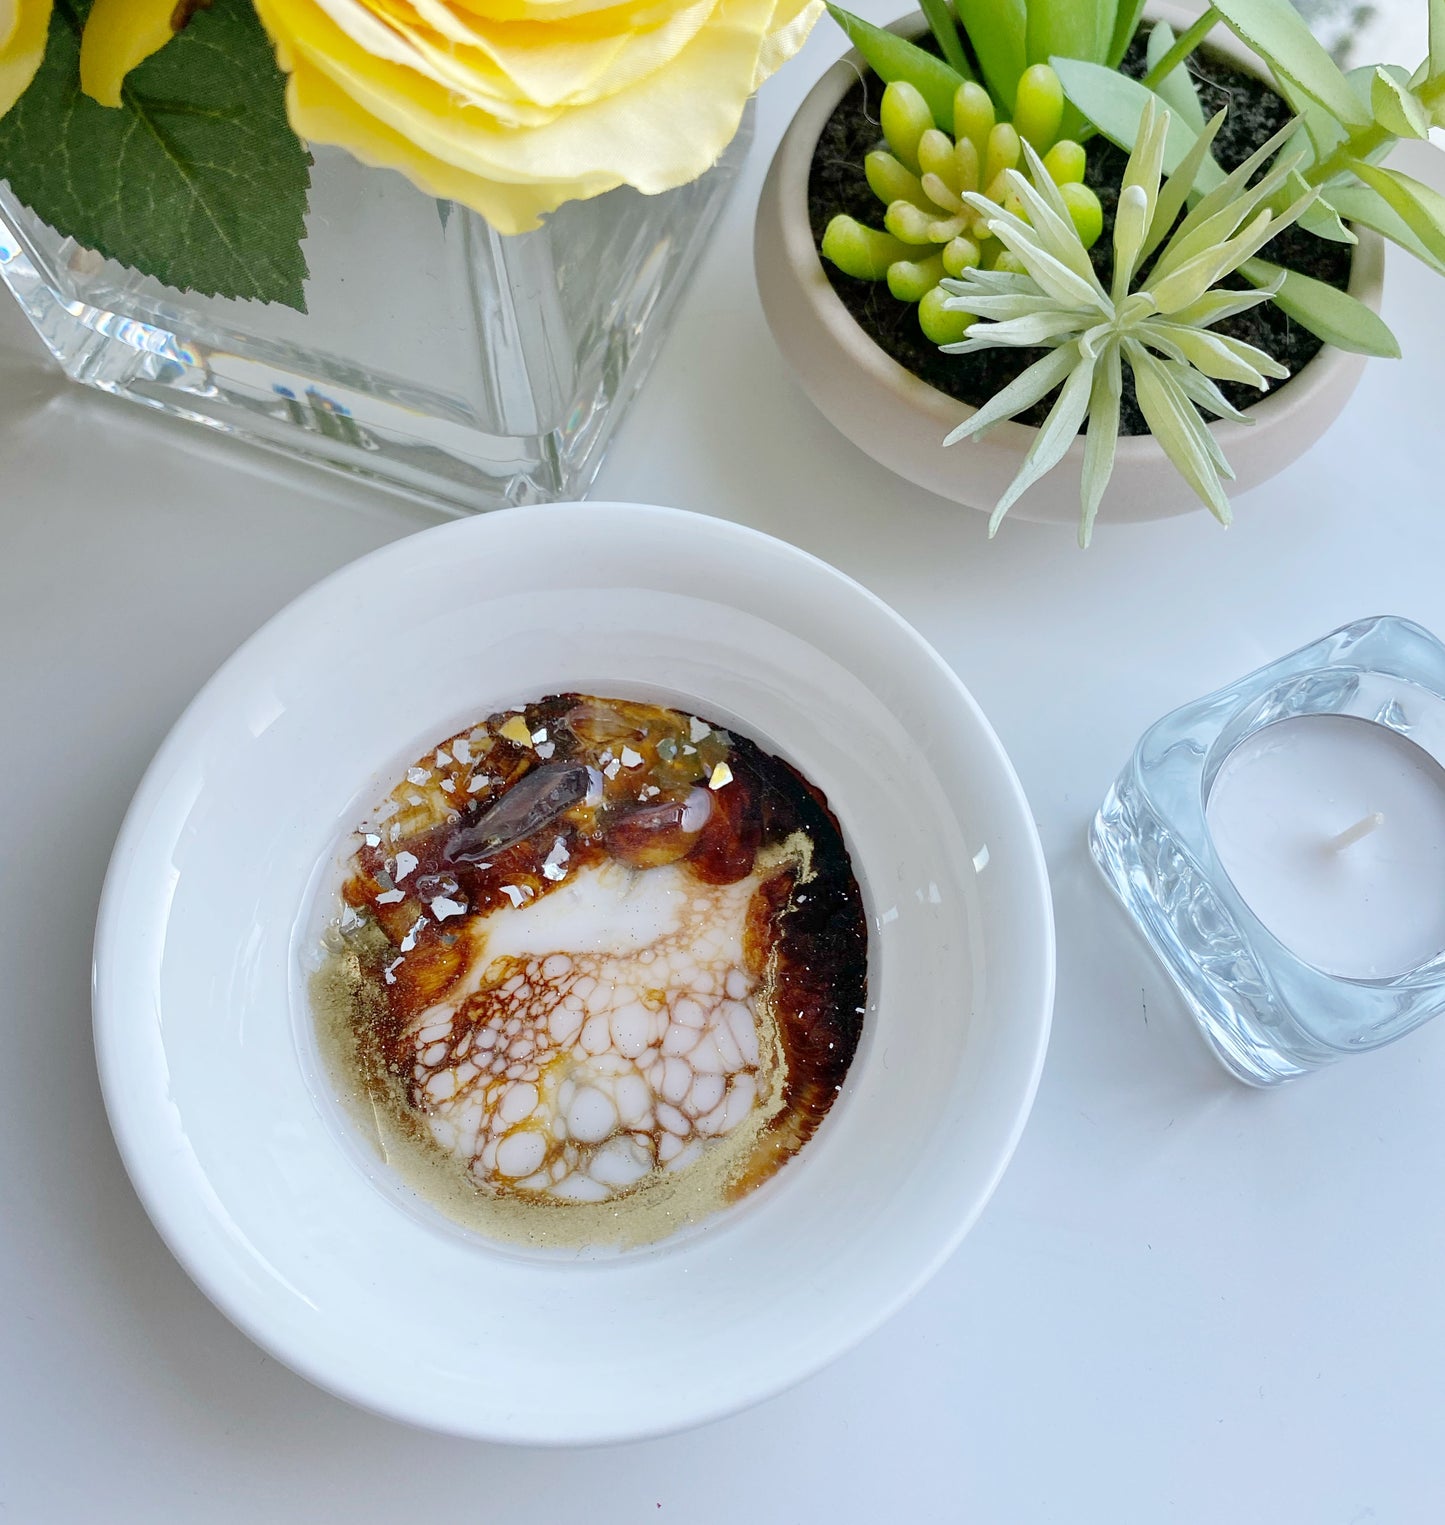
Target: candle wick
(1362, 828)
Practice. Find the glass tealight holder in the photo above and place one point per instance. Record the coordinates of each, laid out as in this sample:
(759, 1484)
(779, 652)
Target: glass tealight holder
(1270, 978)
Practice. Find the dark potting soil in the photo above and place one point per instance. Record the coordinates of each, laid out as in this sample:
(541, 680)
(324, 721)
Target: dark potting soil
(837, 184)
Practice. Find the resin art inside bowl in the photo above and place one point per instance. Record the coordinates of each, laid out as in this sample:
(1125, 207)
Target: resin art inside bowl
(572, 974)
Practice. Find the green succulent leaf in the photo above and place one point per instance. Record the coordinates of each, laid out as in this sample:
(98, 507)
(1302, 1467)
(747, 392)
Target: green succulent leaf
(1181, 433)
(1367, 207)
(860, 251)
(1068, 28)
(1160, 328)
(215, 182)
(1102, 440)
(1331, 314)
(1180, 186)
(894, 58)
(1037, 381)
(1176, 89)
(1396, 108)
(1054, 436)
(1421, 209)
(1203, 393)
(945, 31)
(1115, 105)
(997, 29)
(1322, 219)
(1277, 32)
(1127, 16)
(1324, 132)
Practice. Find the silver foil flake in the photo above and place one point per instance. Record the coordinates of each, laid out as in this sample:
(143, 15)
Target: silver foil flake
(556, 865)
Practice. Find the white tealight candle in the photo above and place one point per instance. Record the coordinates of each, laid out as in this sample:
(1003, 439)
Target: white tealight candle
(1333, 831)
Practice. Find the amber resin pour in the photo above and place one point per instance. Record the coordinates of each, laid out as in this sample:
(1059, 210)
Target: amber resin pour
(600, 969)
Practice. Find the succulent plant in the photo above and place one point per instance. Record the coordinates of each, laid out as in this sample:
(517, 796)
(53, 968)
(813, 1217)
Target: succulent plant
(1159, 324)
(994, 42)
(1350, 122)
(923, 174)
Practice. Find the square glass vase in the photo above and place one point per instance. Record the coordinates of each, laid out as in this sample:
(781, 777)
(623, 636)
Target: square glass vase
(436, 355)
(1268, 1015)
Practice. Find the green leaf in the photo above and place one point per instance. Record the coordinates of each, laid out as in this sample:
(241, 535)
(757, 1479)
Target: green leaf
(1437, 39)
(1421, 209)
(1368, 208)
(1278, 33)
(1396, 108)
(893, 58)
(1052, 441)
(1126, 23)
(1067, 27)
(1178, 188)
(1321, 219)
(1334, 315)
(862, 252)
(1102, 438)
(1324, 132)
(1178, 428)
(1201, 391)
(998, 30)
(1023, 392)
(1177, 88)
(945, 31)
(196, 179)
(1115, 104)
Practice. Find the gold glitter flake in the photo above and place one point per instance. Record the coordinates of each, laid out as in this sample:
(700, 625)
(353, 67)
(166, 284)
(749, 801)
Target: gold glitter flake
(515, 730)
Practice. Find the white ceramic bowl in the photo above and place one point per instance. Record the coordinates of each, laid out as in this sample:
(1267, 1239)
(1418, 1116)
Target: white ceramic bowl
(225, 1121)
(901, 421)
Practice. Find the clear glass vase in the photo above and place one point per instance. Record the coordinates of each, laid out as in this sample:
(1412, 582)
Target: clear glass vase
(472, 369)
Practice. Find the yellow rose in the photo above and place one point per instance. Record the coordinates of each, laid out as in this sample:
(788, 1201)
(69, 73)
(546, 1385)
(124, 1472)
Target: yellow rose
(24, 26)
(515, 106)
(118, 35)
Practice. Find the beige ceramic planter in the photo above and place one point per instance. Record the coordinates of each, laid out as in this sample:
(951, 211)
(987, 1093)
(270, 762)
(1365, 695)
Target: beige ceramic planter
(901, 421)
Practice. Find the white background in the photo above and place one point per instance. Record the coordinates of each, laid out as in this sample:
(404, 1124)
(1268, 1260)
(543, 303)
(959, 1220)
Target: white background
(1188, 1301)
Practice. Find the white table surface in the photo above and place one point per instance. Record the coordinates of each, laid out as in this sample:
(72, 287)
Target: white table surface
(1189, 1301)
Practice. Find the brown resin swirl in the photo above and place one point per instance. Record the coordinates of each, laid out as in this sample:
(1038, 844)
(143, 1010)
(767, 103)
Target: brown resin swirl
(601, 969)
